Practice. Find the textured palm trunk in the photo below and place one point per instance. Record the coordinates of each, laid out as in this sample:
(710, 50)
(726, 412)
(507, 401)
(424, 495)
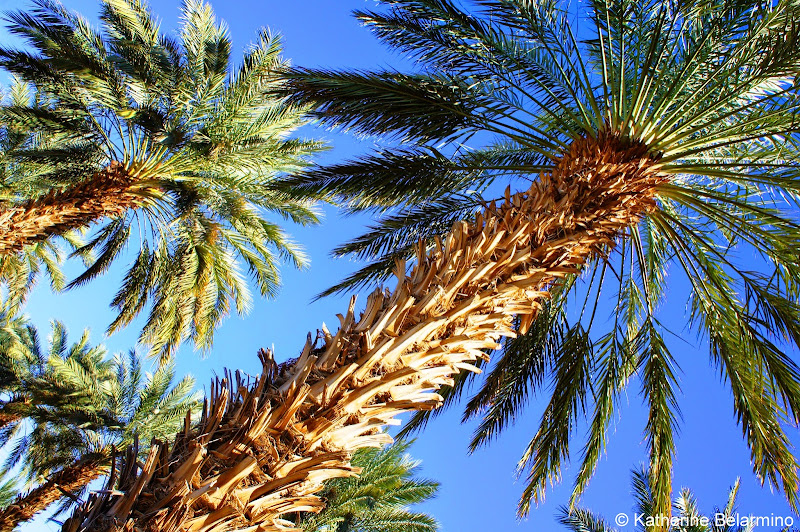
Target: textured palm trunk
(264, 447)
(7, 419)
(109, 193)
(65, 482)
(10, 411)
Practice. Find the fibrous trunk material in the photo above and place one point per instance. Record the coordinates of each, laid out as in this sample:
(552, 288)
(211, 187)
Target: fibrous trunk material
(7, 419)
(65, 482)
(12, 411)
(263, 448)
(108, 194)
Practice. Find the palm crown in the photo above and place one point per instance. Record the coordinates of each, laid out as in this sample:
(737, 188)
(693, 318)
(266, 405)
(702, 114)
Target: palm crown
(512, 91)
(160, 140)
(70, 405)
(20, 271)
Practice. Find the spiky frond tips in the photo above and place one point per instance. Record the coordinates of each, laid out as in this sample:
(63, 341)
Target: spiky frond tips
(379, 498)
(688, 516)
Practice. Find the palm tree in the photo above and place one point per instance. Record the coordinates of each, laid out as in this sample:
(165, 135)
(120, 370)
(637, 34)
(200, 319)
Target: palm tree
(11, 327)
(29, 381)
(140, 136)
(72, 405)
(264, 446)
(378, 499)
(702, 95)
(687, 516)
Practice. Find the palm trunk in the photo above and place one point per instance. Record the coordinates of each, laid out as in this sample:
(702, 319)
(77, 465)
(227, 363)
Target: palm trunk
(10, 411)
(7, 419)
(109, 193)
(68, 480)
(263, 449)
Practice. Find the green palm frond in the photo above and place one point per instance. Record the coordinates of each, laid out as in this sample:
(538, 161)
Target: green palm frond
(397, 235)
(580, 520)
(20, 272)
(73, 401)
(8, 492)
(687, 518)
(378, 500)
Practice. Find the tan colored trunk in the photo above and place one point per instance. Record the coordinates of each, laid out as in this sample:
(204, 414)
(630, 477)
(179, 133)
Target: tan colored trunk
(263, 448)
(10, 412)
(66, 481)
(7, 419)
(108, 194)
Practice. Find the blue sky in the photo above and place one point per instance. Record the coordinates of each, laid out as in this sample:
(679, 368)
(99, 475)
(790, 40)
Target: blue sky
(479, 492)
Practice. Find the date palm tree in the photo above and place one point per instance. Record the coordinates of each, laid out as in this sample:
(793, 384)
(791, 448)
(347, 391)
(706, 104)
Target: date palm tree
(70, 406)
(156, 140)
(676, 166)
(701, 94)
(264, 446)
(687, 517)
(378, 499)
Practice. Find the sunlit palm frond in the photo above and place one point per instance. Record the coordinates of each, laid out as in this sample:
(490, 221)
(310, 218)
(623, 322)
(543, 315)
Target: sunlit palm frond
(379, 499)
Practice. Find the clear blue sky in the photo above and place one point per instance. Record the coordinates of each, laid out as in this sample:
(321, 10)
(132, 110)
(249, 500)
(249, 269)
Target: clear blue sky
(479, 492)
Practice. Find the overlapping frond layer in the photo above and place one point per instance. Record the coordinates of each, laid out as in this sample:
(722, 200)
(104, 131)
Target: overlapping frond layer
(108, 194)
(10, 411)
(263, 449)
